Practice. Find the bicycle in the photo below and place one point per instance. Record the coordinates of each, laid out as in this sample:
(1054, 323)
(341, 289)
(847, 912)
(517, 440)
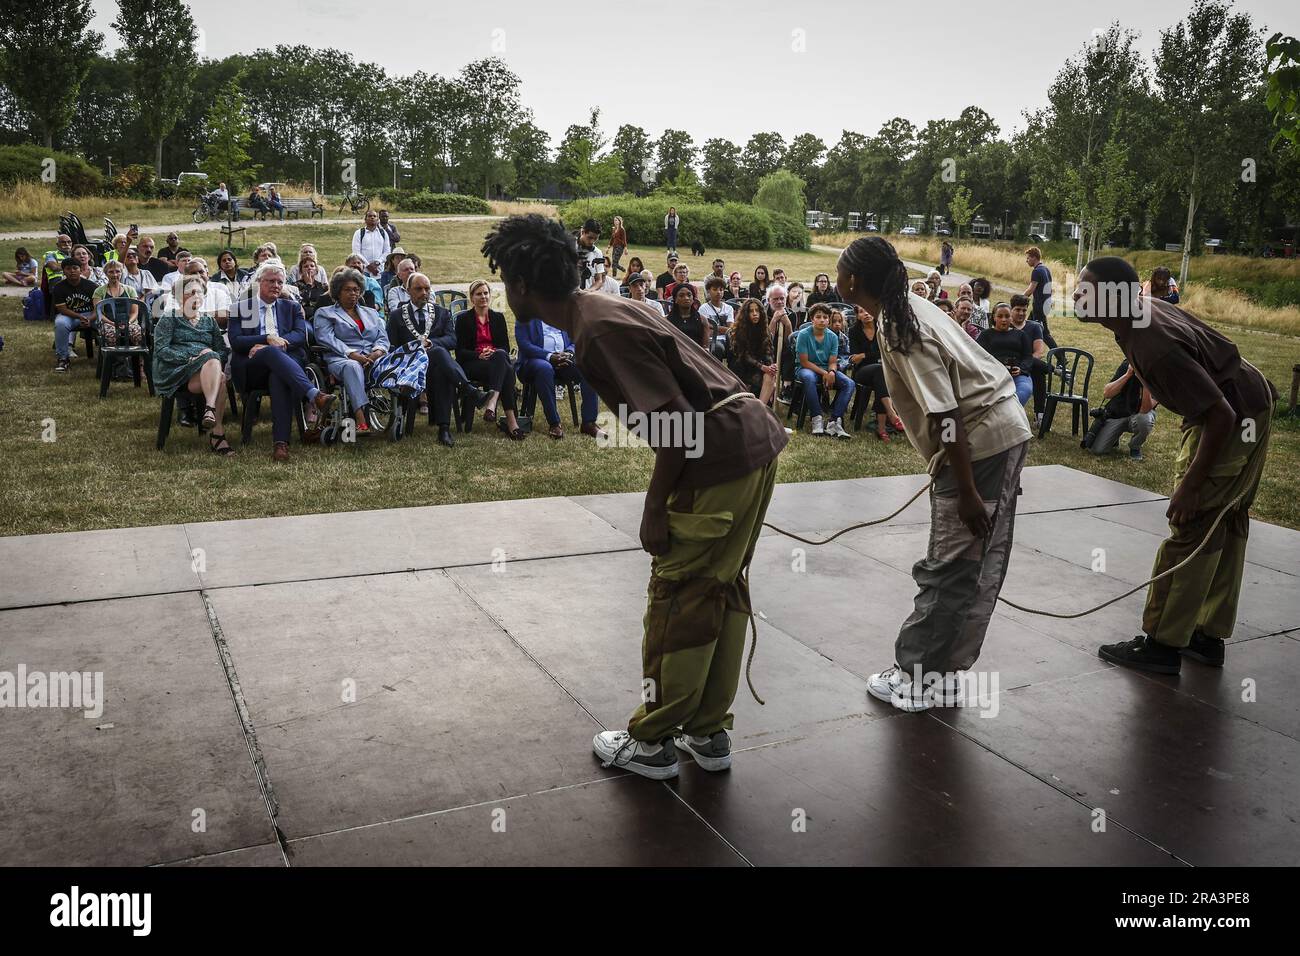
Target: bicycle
(357, 201)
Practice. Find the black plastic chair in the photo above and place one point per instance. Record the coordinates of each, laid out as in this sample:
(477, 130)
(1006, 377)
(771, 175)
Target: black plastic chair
(451, 300)
(117, 312)
(1063, 366)
(528, 401)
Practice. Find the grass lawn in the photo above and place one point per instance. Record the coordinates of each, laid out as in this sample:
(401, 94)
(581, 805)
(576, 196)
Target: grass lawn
(102, 471)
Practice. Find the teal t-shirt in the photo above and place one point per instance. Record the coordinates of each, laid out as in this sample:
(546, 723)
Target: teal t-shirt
(819, 353)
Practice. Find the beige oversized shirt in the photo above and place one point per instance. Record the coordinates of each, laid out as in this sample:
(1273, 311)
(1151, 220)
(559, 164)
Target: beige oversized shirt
(947, 370)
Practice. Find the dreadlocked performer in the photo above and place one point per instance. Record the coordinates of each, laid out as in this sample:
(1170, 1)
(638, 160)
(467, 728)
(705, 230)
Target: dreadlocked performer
(959, 409)
(1227, 405)
(705, 505)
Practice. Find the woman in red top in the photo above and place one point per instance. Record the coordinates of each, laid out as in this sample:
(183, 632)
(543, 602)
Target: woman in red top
(483, 351)
(617, 244)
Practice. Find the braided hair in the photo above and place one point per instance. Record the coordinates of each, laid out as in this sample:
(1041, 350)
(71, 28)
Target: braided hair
(538, 250)
(875, 263)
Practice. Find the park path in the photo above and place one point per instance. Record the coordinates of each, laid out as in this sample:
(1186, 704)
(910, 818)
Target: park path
(247, 223)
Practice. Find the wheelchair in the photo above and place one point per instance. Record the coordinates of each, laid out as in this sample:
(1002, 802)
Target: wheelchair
(390, 411)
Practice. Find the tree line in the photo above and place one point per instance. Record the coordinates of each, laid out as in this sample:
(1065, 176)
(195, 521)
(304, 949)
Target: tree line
(1138, 146)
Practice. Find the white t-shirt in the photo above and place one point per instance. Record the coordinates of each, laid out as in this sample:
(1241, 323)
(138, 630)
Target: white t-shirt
(610, 285)
(723, 314)
(588, 257)
(947, 370)
(217, 298)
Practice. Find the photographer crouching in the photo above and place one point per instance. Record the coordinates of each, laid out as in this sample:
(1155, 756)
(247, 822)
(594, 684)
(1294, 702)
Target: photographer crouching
(1129, 408)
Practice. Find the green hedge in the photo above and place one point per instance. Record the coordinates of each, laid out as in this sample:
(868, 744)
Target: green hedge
(719, 226)
(449, 204)
(73, 175)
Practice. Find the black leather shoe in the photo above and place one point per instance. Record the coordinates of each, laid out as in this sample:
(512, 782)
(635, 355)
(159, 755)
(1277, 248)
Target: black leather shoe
(444, 436)
(1207, 650)
(187, 418)
(480, 397)
(1143, 653)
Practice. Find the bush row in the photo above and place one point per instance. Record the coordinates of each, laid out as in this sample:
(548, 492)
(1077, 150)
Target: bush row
(720, 226)
(410, 200)
(70, 175)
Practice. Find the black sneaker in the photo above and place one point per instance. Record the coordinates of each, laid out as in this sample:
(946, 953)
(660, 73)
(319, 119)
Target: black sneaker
(1207, 650)
(61, 365)
(1143, 653)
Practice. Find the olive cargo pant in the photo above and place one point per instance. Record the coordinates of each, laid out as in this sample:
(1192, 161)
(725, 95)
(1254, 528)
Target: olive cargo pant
(1204, 594)
(698, 608)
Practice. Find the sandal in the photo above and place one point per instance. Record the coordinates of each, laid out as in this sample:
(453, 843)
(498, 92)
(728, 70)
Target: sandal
(219, 445)
(556, 431)
(882, 435)
(209, 419)
(489, 415)
(517, 434)
(897, 424)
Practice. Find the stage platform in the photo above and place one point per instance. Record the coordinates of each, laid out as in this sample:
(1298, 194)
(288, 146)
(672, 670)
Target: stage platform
(421, 686)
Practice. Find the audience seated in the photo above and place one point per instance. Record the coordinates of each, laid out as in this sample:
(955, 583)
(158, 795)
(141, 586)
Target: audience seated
(822, 291)
(718, 314)
(269, 345)
(758, 288)
(420, 318)
(1012, 347)
(139, 279)
(483, 351)
(1038, 369)
(752, 353)
(735, 287)
(546, 358)
(817, 348)
(868, 372)
(73, 303)
(188, 355)
(684, 315)
(353, 337)
(637, 285)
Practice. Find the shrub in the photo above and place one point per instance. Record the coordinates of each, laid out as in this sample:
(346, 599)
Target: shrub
(719, 226)
(389, 196)
(73, 175)
(448, 204)
(135, 182)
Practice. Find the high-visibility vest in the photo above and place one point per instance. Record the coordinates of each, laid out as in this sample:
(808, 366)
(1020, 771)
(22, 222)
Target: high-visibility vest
(56, 270)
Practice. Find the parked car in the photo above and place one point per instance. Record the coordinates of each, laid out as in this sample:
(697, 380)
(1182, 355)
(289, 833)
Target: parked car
(1037, 237)
(943, 231)
(908, 231)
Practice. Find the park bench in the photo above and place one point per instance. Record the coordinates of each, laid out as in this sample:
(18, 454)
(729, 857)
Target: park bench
(292, 208)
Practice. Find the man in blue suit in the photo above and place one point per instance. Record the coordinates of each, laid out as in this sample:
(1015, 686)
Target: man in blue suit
(417, 317)
(545, 358)
(268, 344)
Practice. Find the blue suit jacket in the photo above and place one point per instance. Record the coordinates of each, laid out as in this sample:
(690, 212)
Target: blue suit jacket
(339, 335)
(531, 342)
(245, 331)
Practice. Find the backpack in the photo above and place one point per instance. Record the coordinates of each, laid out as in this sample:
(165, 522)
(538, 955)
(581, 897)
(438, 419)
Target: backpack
(34, 306)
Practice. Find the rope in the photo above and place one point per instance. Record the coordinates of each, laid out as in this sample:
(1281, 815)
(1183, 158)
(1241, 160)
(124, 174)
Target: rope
(1019, 607)
(753, 642)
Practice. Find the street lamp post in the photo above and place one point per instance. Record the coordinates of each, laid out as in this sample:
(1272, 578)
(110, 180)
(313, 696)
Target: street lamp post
(1005, 213)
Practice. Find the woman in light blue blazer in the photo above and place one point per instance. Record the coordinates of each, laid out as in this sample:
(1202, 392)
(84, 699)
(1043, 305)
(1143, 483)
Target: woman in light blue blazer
(354, 339)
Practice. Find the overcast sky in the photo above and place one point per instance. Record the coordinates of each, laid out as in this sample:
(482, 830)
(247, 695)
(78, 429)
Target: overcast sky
(719, 67)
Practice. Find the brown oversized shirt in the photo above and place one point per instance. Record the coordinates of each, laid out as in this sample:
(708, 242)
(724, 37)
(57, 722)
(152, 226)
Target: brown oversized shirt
(638, 362)
(1186, 365)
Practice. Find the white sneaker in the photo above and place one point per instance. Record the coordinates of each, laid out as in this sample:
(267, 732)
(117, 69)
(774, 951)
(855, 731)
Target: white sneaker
(817, 426)
(893, 686)
(840, 430)
(833, 428)
(617, 748)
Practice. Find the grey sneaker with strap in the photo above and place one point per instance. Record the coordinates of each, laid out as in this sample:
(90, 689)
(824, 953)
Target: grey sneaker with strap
(619, 749)
(711, 753)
